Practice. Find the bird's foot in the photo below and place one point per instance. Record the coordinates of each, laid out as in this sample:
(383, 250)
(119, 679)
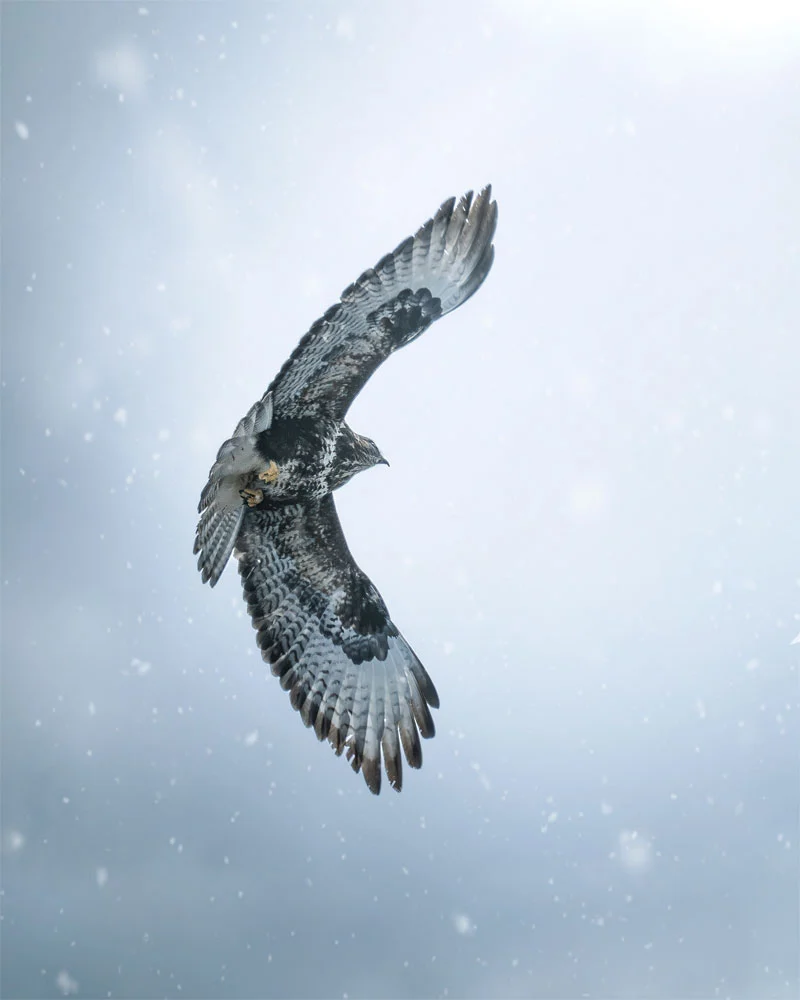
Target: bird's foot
(270, 474)
(252, 497)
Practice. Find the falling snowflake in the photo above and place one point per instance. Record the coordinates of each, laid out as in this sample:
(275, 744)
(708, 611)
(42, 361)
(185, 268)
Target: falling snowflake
(635, 851)
(66, 983)
(463, 924)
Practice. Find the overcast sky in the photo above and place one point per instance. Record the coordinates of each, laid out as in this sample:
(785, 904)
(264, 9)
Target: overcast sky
(589, 531)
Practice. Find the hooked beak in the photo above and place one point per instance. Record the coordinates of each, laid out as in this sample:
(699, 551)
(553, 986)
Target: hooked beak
(383, 461)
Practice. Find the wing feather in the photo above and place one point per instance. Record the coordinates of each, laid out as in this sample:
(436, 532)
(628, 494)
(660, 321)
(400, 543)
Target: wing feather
(371, 764)
(448, 259)
(325, 631)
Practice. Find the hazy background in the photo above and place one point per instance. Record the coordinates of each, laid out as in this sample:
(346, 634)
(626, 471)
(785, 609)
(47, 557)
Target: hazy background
(589, 531)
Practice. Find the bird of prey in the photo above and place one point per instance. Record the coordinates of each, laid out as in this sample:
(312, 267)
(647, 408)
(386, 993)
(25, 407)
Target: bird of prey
(321, 624)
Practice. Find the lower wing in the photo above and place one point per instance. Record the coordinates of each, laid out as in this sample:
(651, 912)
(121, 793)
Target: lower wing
(326, 633)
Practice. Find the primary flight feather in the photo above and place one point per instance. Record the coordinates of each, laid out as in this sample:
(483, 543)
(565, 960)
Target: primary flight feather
(321, 624)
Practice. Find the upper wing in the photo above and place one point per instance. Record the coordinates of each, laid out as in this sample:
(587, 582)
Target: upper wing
(428, 275)
(325, 631)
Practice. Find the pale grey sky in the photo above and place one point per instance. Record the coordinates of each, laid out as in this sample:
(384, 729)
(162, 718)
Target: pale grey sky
(588, 532)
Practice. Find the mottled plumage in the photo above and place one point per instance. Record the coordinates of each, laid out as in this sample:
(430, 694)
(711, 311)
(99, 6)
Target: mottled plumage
(321, 624)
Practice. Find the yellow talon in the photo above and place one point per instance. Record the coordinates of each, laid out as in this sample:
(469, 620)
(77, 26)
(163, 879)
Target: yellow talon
(252, 497)
(270, 474)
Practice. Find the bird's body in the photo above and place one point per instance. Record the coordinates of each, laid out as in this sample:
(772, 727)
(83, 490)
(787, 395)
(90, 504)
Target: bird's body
(313, 457)
(321, 624)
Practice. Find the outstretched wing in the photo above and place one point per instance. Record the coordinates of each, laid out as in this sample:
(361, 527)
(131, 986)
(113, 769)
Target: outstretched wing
(325, 631)
(428, 275)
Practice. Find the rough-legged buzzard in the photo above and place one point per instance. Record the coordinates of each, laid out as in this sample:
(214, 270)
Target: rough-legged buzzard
(321, 624)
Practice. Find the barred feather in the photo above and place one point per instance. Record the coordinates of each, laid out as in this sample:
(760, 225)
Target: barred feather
(310, 606)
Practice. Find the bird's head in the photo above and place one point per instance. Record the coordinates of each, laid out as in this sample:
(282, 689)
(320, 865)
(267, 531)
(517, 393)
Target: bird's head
(368, 453)
(354, 453)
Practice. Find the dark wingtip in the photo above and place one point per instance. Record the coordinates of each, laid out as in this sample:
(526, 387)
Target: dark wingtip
(371, 769)
(409, 738)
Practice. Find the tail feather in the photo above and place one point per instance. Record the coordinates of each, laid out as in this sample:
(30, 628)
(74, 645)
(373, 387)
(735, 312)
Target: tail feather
(215, 539)
(221, 509)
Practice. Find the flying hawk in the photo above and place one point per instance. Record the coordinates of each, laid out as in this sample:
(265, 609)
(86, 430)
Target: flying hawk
(321, 624)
